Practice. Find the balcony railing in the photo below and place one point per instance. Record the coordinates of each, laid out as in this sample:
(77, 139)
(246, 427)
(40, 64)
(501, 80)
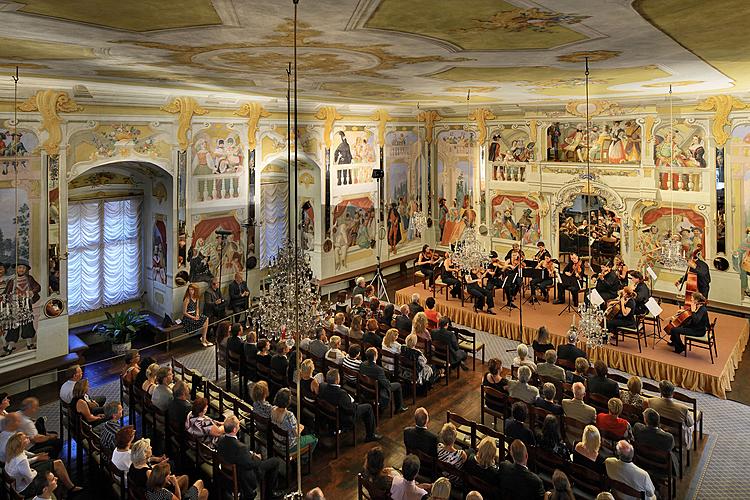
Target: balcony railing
(218, 186)
(353, 174)
(680, 179)
(511, 171)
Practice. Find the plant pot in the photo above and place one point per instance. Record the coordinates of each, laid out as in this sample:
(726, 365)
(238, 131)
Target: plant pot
(121, 348)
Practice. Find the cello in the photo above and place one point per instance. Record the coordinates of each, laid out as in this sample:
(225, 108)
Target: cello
(690, 280)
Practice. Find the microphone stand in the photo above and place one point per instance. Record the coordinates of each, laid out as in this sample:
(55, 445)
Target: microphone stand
(524, 231)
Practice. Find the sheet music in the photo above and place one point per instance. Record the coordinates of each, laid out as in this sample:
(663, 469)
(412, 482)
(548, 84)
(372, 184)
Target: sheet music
(653, 307)
(595, 298)
(651, 273)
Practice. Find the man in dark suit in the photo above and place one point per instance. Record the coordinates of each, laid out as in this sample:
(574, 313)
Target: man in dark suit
(402, 321)
(371, 338)
(652, 436)
(215, 307)
(700, 269)
(447, 337)
(516, 427)
(420, 437)
(546, 401)
(517, 481)
(600, 384)
(234, 342)
(180, 405)
(280, 360)
(370, 368)
(238, 294)
(251, 469)
(331, 392)
(569, 351)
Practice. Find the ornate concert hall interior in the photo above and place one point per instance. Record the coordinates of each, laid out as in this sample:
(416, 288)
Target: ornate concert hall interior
(531, 173)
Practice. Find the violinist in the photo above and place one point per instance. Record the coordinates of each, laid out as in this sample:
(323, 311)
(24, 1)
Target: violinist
(512, 276)
(695, 326)
(543, 281)
(448, 275)
(473, 280)
(572, 279)
(626, 316)
(514, 248)
(642, 293)
(620, 269)
(607, 283)
(541, 252)
(494, 273)
(426, 262)
(700, 269)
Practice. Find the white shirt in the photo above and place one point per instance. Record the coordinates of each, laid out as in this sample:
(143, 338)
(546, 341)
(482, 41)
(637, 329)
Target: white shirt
(4, 438)
(632, 475)
(66, 391)
(19, 469)
(401, 489)
(122, 460)
(27, 427)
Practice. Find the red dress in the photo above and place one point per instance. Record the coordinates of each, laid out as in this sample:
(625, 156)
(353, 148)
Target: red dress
(610, 423)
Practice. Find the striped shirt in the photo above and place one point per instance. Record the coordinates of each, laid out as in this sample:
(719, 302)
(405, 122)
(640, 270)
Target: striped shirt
(352, 364)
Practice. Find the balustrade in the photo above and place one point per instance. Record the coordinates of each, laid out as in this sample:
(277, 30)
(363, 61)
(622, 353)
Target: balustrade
(353, 174)
(680, 179)
(218, 186)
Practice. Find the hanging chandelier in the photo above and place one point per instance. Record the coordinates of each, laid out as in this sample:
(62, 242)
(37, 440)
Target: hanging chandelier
(590, 325)
(470, 254)
(419, 219)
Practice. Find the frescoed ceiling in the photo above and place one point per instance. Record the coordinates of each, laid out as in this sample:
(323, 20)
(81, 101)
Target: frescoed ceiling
(384, 52)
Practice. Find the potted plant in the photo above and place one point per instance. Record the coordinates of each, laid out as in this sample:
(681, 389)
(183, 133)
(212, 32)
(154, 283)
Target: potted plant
(120, 328)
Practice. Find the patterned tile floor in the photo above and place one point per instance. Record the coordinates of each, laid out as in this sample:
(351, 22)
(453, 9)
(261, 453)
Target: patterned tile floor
(722, 469)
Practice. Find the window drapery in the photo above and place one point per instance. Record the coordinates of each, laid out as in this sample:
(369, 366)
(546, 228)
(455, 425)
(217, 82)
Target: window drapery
(104, 253)
(274, 220)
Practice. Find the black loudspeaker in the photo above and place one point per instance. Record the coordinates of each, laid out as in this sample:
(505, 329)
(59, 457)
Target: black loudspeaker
(251, 262)
(167, 322)
(378, 173)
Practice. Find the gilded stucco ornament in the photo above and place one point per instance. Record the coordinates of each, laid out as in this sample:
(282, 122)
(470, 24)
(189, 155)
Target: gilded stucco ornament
(648, 128)
(185, 108)
(429, 118)
(50, 103)
(253, 111)
(382, 117)
(723, 104)
(329, 115)
(481, 115)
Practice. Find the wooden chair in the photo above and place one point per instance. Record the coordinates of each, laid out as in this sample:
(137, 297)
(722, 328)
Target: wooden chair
(220, 360)
(260, 435)
(236, 363)
(281, 448)
(368, 390)
(225, 478)
(474, 483)
(126, 399)
(465, 430)
(206, 464)
(419, 275)
(349, 378)
(408, 374)
(467, 340)
(440, 285)
(482, 431)
(388, 359)
(624, 490)
(367, 491)
(215, 396)
(65, 423)
(117, 480)
(674, 427)
(176, 442)
(573, 430)
(91, 444)
(493, 403)
(586, 482)
(659, 466)
(135, 493)
(697, 415)
(545, 462)
(441, 358)
(601, 403)
(708, 341)
(428, 470)
(329, 418)
(636, 332)
(456, 476)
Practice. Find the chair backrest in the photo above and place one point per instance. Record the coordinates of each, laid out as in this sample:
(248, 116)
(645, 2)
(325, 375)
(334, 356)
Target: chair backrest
(261, 432)
(573, 427)
(657, 462)
(244, 412)
(585, 479)
(428, 464)
(494, 402)
(222, 354)
(559, 391)
(215, 396)
(368, 389)
(281, 444)
(205, 455)
(367, 491)
(389, 361)
(481, 431)
(624, 490)
(476, 483)
(601, 403)
(235, 360)
(692, 403)
(466, 434)
(178, 369)
(674, 427)
(225, 474)
(117, 478)
(545, 462)
(566, 363)
(329, 414)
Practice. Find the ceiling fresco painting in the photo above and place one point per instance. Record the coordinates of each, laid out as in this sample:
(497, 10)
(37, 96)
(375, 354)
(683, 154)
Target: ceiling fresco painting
(384, 52)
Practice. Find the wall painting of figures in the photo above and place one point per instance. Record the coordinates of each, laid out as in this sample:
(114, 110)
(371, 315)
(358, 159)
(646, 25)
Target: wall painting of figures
(510, 213)
(354, 155)
(217, 164)
(684, 224)
(510, 148)
(207, 256)
(403, 186)
(610, 142)
(353, 230)
(738, 152)
(457, 160)
(159, 252)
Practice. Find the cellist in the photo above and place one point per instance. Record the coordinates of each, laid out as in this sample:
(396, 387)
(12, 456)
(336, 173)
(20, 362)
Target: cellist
(694, 326)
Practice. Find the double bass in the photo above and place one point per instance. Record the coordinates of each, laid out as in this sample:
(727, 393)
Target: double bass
(690, 280)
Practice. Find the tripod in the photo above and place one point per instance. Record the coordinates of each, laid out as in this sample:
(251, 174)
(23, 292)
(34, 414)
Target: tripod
(379, 281)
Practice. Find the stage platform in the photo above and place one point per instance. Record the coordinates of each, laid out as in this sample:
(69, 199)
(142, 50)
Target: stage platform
(694, 372)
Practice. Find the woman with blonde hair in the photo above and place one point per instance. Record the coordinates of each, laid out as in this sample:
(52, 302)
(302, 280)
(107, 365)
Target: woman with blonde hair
(338, 324)
(192, 319)
(586, 452)
(141, 457)
(426, 375)
(83, 405)
(355, 331)
(390, 344)
(161, 475)
(150, 383)
(441, 489)
(419, 326)
(447, 451)
(31, 479)
(308, 384)
(334, 353)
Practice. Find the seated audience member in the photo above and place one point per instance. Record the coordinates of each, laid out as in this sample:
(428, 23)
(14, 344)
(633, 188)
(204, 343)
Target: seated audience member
(516, 426)
(141, 458)
(414, 305)
(355, 330)
(352, 362)
(4, 404)
(180, 406)
(426, 374)
(403, 320)
(82, 406)
(622, 468)
(581, 373)
(35, 427)
(342, 304)
(549, 368)
(374, 304)
(259, 395)
(550, 438)
(547, 399)
(387, 317)
(360, 286)
(586, 452)
(73, 374)
(541, 343)
(375, 471)
(405, 487)
(576, 408)
(309, 385)
(561, 489)
(108, 431)
(223, 334)
(285, 419)
(516, 480)
(280, 360)
(388, 389)
(48, 492)
(568, 351)
(420, 437)
(522, 358)
(234, 342)
(315, 494)
(319, 345)
(632, 395)
(132, 357)
(201, 427)
(264, 352)
(493, 377)
(600, 384)
(483, 463)
(653, 436)
(12, 426)
(447, 451)
(440, 490)
(252, 470)
(521, 389)
(390, 344)
(432, 315)
(474, 495)
(143, 365)
(149, 384)
(31, 479)
(332, 393)
(370, 337)
(338, 325)
(605, 495)
(334, 353)
(673, 410)
(611, 422)
(419, 327)
(161, 476)
(162, 394)
(449, 338)
(121, 456)
(358, 308)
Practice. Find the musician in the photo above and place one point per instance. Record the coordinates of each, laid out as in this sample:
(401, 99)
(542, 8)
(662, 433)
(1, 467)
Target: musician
(426, 262)
(473, 280)
(700, 269)
(642, 293)
(626, 316)
(512, 276)
(607, 283)
(448, 275)
(494, 272)
(619, 267)
(515, 248)
(695, 326)
(541, 252)
(573, 277)
(545, 279)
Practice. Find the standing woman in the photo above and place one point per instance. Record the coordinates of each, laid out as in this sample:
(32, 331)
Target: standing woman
(191, 314)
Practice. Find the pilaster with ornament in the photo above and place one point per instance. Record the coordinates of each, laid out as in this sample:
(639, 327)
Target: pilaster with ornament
(429, 118)
(329, 115)
(723, 105)
(50, 103)
(382, 117)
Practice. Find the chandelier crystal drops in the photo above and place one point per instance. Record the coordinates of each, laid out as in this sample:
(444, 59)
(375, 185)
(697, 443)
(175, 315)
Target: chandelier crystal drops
(16, 311)
(671, 254)
(591, 326)
(470, 254)
(289, 305)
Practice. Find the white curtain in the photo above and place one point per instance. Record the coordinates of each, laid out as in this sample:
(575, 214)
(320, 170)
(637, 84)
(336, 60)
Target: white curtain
(274, 218)
(104, 253)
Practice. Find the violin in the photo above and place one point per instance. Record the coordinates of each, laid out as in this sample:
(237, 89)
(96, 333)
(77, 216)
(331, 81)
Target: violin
(614, 306)
(577, 268)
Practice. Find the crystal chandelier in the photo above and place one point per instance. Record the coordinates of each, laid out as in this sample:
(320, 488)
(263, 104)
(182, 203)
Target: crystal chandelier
(289, 305)
(670, 253)
(419, 219)
(15, 311)
(592, 325)
(470, 254)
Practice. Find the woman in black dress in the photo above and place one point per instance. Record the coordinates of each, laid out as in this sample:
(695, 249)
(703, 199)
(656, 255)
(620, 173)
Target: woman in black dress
(192, 318)
(474, 286)
(626, 317)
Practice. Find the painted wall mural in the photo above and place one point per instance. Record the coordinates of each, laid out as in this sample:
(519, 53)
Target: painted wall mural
(403, 181)
(119, 139)
(682, 144)
(159, 251)
(510, 145)
(207, 257)
(611, 142)
(354, 146)
(217, 165)
(353, 231)
(683, 223)
(457, 160)
(509, 213)
(738, 150)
